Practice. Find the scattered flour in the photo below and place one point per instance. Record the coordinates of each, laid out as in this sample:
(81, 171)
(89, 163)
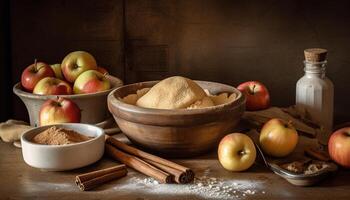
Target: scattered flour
(203, 186)
(68, 187)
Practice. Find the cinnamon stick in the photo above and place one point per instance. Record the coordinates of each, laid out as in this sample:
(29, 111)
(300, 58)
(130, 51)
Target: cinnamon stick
(138, 164)
(93, 179)
(136, 152)
(318, 154)
(178, 176)
(91, 175)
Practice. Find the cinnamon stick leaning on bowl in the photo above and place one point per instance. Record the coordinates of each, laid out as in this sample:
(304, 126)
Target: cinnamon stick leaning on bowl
(179, 173)
(138, 164)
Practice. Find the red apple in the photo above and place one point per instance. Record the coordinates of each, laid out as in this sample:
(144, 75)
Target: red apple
(102, 70)
(236, 152)
(278, 138)
(339, 147)
(52, 86)
(76, 63)
(91, 81)
(34, 73)
(60, 110)
(257, 95)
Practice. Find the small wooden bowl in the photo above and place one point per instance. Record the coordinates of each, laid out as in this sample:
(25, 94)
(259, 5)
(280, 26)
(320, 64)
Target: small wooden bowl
(93, 106)
(176, 133)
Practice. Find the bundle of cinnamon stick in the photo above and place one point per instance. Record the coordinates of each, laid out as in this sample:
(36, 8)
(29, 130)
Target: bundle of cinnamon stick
(163, 170)
(93, 179)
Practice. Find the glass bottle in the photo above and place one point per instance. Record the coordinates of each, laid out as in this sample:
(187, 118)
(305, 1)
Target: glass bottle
(315, 93)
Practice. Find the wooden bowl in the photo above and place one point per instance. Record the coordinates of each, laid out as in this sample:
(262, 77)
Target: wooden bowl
(93, 106)
(176, 133)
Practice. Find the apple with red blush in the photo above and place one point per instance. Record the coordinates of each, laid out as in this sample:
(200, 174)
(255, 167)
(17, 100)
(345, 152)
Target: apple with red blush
(60, 110)
(52, 86)
(91, 81)
(34, 73)
(339, 147)
(257, 95)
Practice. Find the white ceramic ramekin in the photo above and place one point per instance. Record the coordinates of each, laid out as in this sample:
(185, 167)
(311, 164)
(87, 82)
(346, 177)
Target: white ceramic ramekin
(64, 157)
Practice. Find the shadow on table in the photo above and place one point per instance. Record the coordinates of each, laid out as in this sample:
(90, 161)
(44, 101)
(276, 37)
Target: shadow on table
(336, 179)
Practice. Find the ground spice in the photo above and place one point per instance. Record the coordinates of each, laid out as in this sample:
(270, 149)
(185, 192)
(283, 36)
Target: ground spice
(59, 136)
(309, 167)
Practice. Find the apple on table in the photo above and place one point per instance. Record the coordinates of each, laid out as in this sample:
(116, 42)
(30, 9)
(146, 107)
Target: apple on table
(91, 81)
(278, 138)
(76, 63)
(257, 95)
(52, 86)
(34, 73)
(339, 147)
(60, 110)
(236, 152)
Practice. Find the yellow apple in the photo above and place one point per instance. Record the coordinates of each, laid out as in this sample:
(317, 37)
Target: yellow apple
(52, 86)
(76, 63)
(236, 152)
(58, 72)
(278, 138)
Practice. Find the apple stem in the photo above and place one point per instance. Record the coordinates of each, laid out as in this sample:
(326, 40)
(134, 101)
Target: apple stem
(103, 76)
(35, 64)
(252, 91)
(241, 152)
(289, 124)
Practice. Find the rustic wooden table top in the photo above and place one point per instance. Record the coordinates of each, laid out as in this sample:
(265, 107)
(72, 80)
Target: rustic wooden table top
(20, 181)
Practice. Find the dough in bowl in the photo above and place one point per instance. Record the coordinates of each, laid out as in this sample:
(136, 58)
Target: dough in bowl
(203, 103)
(172, 93)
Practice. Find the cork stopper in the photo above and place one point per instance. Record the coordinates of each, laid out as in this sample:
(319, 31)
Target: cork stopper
(315, 55)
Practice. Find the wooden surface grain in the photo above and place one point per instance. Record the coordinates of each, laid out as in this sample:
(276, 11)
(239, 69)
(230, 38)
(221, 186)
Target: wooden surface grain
(20, 181)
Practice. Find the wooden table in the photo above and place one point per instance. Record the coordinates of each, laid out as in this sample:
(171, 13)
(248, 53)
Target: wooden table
(20, 181)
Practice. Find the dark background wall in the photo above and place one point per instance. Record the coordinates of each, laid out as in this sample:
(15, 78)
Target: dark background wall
(229, 41)
(5, 62)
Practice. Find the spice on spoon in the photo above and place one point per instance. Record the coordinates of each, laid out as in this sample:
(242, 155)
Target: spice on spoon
(305, 167)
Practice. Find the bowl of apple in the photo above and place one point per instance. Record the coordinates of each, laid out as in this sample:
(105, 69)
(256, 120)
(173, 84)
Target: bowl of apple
(77, 80)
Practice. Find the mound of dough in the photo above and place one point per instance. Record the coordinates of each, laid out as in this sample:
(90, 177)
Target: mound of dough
(172, 93)
(132, 98)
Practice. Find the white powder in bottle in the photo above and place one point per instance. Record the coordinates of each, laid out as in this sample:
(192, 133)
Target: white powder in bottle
(315, 93)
